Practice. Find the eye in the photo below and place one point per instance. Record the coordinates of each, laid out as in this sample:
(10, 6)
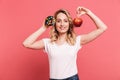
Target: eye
(58, 21)
(66, 21)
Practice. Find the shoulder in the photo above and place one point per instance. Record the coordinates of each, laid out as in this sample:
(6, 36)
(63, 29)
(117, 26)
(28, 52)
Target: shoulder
(78, 38)
(46, 40)
(78, 42)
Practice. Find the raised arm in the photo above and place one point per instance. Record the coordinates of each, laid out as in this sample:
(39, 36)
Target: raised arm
(100, 26)
(31, 41)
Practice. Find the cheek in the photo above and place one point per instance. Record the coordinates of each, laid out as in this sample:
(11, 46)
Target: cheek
(57, 27)
(67, 25)
(57, 24)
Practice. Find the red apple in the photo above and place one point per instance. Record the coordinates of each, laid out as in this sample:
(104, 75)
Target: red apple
(77, 22)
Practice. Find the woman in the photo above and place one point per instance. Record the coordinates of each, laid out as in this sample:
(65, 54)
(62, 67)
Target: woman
(63, 44)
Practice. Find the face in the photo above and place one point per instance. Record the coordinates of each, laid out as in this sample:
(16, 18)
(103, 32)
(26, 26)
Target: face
(62, 23)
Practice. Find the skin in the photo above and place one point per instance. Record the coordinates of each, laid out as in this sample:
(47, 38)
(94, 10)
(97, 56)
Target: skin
(62, 23)
(62, 26)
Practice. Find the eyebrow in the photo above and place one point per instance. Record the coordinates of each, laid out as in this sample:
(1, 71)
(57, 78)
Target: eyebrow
(60, 19)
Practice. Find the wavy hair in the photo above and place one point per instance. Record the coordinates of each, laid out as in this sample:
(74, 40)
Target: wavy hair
(71, 36)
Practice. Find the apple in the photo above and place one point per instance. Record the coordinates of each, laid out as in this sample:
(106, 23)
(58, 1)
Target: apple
(77, 22)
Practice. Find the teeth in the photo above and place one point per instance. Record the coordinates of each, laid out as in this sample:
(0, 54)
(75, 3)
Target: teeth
(62, 28)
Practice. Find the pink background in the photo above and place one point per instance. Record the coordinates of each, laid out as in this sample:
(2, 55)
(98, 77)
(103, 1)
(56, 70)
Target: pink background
(98, 60)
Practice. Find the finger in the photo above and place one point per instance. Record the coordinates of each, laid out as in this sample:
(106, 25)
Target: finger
(78, 14)
(78, 10)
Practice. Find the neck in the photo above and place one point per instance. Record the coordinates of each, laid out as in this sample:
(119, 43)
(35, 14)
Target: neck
(62, 37)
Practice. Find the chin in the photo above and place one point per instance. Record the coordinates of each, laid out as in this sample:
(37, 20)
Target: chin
(62, 32)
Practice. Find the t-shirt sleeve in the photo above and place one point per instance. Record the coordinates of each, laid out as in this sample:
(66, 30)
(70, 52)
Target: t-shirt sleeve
(46, 44)
(78, 41)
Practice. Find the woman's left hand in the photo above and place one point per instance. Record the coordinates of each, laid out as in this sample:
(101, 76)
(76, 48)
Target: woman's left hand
(82, 10)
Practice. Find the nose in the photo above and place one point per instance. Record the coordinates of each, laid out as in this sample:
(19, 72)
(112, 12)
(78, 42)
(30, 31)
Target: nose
(62, 23)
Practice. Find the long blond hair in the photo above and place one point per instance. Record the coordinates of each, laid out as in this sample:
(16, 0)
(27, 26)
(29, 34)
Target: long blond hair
(71, 36)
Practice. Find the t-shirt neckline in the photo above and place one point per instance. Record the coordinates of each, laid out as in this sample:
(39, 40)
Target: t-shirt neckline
(60, 44)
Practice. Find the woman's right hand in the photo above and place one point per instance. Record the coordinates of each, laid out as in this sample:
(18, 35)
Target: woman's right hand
(44, 26)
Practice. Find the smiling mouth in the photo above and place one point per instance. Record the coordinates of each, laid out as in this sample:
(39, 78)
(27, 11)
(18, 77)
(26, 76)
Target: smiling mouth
(62, 28)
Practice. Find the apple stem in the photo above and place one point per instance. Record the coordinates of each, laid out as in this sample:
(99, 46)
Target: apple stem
(78, 15)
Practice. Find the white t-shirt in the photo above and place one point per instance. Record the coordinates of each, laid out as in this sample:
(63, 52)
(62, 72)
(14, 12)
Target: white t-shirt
(62, 58)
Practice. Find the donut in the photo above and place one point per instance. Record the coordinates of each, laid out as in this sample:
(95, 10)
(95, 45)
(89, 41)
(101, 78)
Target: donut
(50, 21)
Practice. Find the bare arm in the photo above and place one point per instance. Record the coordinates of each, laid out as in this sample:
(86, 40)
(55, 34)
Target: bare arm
(31, 41)
(100, 26)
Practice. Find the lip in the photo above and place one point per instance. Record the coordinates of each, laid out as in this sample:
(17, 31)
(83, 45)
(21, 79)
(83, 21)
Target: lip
(62, 28)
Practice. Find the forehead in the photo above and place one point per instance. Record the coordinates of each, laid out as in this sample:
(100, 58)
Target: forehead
(62, 16)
